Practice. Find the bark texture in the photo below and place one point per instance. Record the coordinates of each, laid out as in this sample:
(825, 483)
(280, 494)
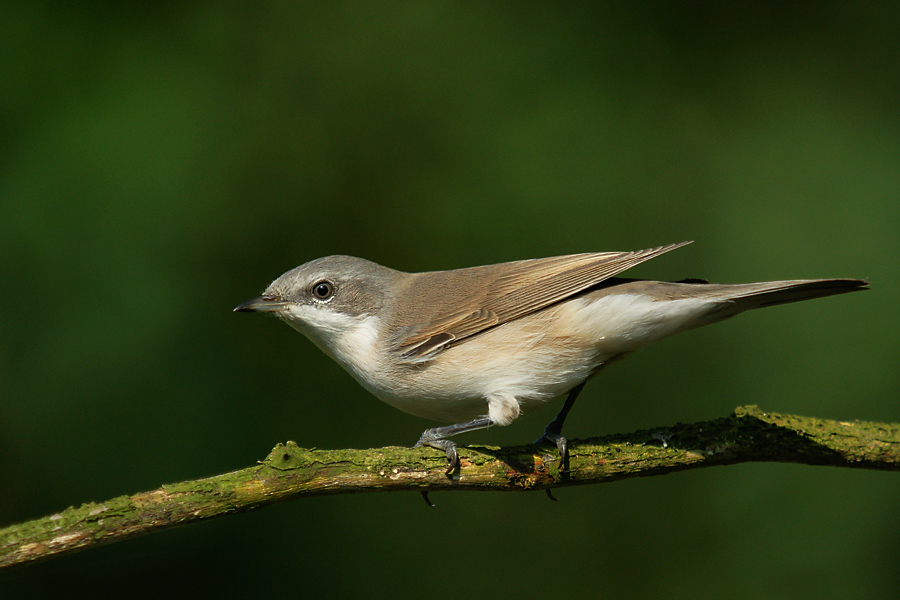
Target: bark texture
(749, 435)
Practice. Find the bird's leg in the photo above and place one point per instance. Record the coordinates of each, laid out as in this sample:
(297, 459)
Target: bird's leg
(436, 438)
(553, 432)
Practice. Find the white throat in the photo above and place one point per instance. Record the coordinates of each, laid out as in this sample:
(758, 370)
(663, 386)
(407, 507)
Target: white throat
(348, 340)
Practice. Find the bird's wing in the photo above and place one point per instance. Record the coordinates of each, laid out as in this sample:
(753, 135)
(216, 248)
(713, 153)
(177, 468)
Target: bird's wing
(484, 297)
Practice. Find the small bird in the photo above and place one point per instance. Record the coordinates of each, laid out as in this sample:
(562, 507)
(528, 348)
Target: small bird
(477, 347)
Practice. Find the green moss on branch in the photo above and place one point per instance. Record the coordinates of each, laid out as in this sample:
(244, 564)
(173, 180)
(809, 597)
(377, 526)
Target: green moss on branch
(288, 472)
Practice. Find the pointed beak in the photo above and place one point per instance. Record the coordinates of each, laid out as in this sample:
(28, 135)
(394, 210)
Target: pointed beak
(261, 304)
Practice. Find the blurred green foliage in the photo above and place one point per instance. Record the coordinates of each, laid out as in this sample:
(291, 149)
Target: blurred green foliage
(161, 163)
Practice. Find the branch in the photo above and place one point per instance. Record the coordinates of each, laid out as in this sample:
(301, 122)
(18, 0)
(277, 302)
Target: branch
(749, 435)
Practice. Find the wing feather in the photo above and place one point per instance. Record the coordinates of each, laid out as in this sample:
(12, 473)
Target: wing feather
(503, 293)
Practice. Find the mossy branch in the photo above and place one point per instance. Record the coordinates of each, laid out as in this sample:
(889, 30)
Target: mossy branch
(749, 435)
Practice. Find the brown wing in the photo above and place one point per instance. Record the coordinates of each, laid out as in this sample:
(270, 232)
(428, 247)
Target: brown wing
(496, 294)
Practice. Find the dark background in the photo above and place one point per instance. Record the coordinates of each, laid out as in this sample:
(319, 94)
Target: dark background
(161, 163)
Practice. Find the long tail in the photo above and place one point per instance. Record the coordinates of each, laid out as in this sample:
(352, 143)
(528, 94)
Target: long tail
(724, 301)
(647, 311)
(770, 293)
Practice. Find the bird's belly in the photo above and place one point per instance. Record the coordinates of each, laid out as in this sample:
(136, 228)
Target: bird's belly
(516, 359)
(533, 359)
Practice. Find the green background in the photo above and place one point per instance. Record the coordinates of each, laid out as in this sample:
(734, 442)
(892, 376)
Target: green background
(161, 163)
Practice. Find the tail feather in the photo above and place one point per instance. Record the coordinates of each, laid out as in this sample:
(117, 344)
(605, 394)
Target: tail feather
(724, 301)
(772, 293)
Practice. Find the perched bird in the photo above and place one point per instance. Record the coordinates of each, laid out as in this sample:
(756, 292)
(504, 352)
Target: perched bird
(476, 347)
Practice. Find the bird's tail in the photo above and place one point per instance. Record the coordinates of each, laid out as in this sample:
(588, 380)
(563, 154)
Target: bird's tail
(639, 312)
(726, 301)
(770, 293)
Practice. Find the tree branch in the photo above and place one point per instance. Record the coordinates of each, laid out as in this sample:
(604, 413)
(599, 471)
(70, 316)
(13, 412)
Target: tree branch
(749, 435)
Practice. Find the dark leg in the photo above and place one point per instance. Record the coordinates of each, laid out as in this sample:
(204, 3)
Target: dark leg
(436, 438)
(553, 432)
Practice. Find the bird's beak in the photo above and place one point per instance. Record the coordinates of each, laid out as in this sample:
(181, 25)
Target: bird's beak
(261, 304)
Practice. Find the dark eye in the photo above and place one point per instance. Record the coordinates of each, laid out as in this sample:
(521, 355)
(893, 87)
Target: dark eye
(323, 290)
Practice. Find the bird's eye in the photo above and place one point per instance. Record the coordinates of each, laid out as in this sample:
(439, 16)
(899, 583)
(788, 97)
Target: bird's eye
(323, 290)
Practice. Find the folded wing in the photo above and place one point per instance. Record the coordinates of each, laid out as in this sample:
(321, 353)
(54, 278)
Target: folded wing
(484, 297)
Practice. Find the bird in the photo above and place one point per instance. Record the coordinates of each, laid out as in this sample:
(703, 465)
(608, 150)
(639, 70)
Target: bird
(477, 347)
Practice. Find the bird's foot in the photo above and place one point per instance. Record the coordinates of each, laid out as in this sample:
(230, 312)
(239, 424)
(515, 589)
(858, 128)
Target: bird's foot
(440, 444)
(561, 444)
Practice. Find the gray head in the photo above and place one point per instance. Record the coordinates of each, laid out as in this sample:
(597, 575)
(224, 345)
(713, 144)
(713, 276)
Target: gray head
(328, 295)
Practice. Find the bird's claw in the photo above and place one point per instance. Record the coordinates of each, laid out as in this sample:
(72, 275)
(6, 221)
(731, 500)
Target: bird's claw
(561, 444)
(452, 459)
(449, 449)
